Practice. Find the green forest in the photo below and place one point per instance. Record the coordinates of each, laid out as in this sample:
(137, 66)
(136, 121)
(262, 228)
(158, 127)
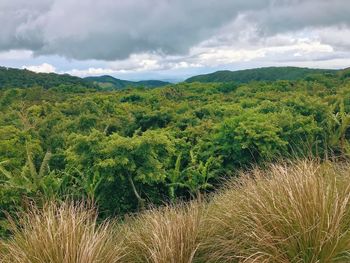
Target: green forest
(134, 148)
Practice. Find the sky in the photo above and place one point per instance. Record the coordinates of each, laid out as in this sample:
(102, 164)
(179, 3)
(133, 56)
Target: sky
(172, 39)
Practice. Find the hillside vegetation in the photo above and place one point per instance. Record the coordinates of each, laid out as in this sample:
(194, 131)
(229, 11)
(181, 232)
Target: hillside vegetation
(260, 74)
(22, 78)
(133, 149)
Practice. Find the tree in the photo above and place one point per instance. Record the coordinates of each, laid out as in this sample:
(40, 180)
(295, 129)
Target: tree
(141, 158)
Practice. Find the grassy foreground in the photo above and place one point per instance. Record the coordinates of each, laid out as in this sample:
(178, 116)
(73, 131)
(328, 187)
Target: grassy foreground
(286, 213)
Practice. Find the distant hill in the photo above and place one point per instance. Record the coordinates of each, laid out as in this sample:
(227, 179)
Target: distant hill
(114, 83)
(22, 78)
(259, 74)
(345, 73)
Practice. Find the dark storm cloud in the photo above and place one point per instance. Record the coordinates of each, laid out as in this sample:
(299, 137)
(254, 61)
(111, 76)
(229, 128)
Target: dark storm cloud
(17, 23)
(115, 29)
(288, 15)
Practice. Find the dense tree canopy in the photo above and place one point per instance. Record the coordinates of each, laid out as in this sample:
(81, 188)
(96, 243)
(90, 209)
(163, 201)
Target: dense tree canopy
(259, 74)
(129, 148)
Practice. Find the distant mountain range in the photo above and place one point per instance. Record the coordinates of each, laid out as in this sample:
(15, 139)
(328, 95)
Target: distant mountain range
(22, 78)
(259, 74)
(110, 82)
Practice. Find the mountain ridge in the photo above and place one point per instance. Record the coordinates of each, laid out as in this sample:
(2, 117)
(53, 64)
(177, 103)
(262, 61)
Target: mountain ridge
(12, 77)
(258, 74)
(107, 81)
(24, 78)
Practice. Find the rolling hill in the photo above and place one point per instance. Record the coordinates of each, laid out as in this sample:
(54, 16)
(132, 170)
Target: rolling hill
(110, 82)
(259, 74)
(22, 78)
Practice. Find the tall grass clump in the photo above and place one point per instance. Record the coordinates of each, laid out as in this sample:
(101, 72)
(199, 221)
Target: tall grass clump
(62, 233)
(289, 213)
(166, 235)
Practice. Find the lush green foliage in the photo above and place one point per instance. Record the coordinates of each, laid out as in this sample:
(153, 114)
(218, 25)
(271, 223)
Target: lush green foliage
(130, 148)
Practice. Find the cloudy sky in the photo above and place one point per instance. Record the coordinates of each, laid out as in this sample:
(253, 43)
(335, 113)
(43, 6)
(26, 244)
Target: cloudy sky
(172, 39)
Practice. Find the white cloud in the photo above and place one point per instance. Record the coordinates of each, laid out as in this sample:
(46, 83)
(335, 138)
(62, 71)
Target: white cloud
(43, 68)
(16, 54)
(206, 55)
(91, 72)
(279, 50)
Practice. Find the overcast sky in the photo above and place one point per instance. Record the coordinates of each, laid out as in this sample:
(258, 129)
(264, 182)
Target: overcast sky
(172, 39)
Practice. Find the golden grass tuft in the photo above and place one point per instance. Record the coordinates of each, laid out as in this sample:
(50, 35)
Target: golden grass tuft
(65, 233)
(290, 213)
(166, 235)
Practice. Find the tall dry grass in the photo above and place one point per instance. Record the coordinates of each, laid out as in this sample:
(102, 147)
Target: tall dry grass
(290, 213)
(166, 235)
(65, 233)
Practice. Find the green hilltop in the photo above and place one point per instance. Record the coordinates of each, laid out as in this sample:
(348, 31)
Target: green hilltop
(259, 74)
(22, 78)
(110, 82)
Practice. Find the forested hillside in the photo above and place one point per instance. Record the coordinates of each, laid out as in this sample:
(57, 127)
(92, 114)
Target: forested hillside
(22, 78)
(260, 74)
(109, 82)
(135, 147)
